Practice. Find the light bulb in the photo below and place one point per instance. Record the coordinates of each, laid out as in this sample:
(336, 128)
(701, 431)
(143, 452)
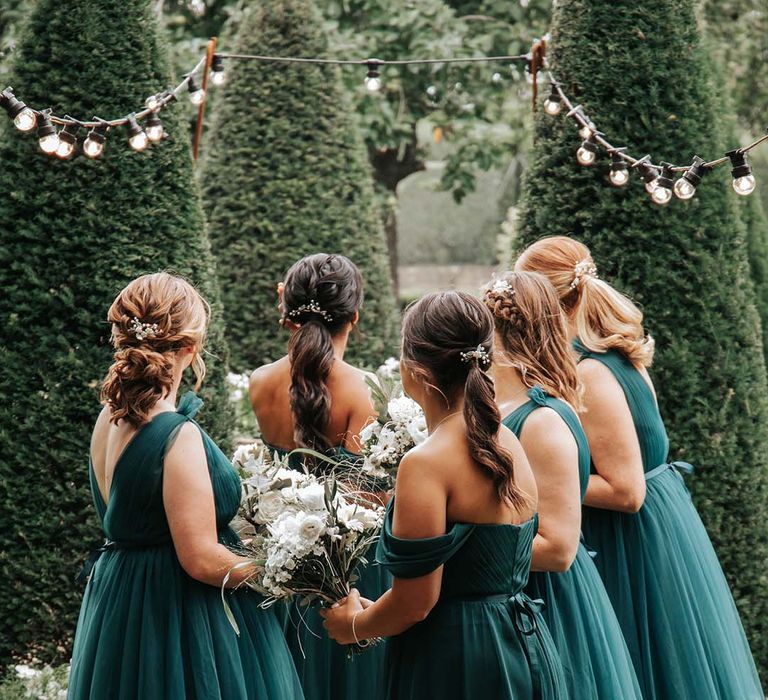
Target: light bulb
(65, 148)
(496, 78)
(684, 189)
(619, 177)
(152, 102)
(744, 185)
(585, 157)
(139, 141)
(650, 186)
(197, 97)
(661, 195)
(154, 128)
(372, 83)
(67, 141)
(218, 78)
(552, 108)
(49, 144)
(93, 149)
(586, 131)
(25, 120)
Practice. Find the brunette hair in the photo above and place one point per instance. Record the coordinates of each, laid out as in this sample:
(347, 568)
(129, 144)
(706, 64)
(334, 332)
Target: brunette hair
(534, 333)
(448, 336)
(153, 318)
(321, 295)
(603, 317)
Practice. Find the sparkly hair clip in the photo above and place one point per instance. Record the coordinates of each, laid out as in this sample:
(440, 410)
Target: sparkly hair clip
(501, 287)
(143, 330)
(479, 354)
(312, 308)
(582, 270)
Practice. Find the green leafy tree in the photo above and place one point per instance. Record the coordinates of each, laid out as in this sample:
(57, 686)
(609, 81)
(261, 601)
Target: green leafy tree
(641, 75)
(285, 175)
(72, 234)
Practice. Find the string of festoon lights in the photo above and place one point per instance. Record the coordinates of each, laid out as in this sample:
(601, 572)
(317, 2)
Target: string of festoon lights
(659, 178)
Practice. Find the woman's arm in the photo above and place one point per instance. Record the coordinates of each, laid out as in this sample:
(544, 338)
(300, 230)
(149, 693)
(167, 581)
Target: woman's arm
(620, 480)
(191, 513)
(554, 458)
(420, 506)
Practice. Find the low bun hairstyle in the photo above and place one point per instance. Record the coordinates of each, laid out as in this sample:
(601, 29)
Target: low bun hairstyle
(604, 319)
(153, 318)
(447, 337)
(534, 334)
(322, 294)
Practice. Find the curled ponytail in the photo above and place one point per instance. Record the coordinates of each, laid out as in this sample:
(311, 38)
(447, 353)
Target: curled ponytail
(322, 295)
(483, 421)
(310, 353)
(448, 336)
(152, 319)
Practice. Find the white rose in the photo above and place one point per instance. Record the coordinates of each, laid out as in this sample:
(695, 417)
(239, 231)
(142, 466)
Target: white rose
(311, 528)
(270, 506)
(390, 367)
(417, 429)
(23, 671)
(312, 496)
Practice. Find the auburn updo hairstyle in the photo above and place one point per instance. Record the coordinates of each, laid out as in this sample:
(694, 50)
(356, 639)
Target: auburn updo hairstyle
(322, 294)
(603, 318)
(153, 318)
(447, 340)
(533, 334)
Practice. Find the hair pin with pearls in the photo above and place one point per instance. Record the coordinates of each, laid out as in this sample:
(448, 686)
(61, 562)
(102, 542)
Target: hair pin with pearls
(311, 308)
(581, 271)
(143, 330)
(479, 354)
(501, 287)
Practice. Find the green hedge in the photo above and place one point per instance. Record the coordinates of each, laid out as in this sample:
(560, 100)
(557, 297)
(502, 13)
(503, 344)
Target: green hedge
(286, 175)
(72, 234)
(639, 71)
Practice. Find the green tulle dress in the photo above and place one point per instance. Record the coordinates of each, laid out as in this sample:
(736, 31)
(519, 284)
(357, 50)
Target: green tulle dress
(485, 639)
(323, 666)
(147, 631)
(579, 614)
(662, 574)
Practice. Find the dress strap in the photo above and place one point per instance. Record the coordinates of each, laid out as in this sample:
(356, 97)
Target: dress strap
(411, 558)
(679, 467)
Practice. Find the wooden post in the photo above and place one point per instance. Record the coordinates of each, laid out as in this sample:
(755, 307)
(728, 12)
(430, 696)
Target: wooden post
(201, 108)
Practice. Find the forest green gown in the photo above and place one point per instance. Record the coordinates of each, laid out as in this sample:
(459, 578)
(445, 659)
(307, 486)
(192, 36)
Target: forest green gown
(323, 666)
(147, 631)
(579, 614)
(662, 574)
(485, 639)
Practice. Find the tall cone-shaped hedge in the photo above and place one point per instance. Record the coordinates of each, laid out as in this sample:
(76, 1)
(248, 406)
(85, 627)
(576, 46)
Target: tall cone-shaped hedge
(286, 175)
(72, 234)
(638, 70)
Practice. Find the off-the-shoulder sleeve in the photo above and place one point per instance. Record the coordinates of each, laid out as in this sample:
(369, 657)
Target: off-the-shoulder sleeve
(418, 557)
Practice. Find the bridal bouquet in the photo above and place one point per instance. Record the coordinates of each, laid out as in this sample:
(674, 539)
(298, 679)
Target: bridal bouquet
(400, 424)
(306, 534)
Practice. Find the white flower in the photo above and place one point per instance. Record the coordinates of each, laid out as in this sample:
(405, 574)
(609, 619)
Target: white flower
(270, 506)
(500, 286)
(390, 368)
(417, 429)
(23, 671)
(311, 528)
(370, 431)
(312, 496)
(403, 409)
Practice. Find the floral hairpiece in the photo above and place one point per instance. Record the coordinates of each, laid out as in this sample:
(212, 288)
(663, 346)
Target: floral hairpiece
(582, 270)
(143, 330)
(479, 354)
(501, 287)
(312, 308)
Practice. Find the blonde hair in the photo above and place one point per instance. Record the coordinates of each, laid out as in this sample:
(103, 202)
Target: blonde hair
(603, 318)
(153, 318)
(534, 333)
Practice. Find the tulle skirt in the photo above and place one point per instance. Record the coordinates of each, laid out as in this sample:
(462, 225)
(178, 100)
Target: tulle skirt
(325, 670)
(147, 631)
(671, 598)
(586, 633)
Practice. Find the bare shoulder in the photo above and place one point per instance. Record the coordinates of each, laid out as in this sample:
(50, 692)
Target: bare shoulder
(262, 378)
(545, 425)
(187, 448)
(100, 429)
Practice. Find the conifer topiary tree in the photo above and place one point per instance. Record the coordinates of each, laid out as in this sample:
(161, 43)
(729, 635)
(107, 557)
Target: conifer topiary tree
(72, 234)
(638, 70)
(286, 175)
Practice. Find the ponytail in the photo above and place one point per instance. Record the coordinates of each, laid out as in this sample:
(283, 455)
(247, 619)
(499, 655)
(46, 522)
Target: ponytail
(137, 379)
(310, 353)
(483, 421)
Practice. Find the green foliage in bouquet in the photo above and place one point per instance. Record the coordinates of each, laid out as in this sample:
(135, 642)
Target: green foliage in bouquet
(285, 176)
(72, 234)
(638, 70)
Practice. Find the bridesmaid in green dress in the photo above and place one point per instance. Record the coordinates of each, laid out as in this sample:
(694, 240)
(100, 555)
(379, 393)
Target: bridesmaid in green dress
(152, 625)
(459, 533)
(537, 388)
(313, 399)
(659, 567)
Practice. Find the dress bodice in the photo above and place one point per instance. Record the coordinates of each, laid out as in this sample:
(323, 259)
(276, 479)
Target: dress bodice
(538, 398)
(649, 426)
(478, 560)
(135, 513)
